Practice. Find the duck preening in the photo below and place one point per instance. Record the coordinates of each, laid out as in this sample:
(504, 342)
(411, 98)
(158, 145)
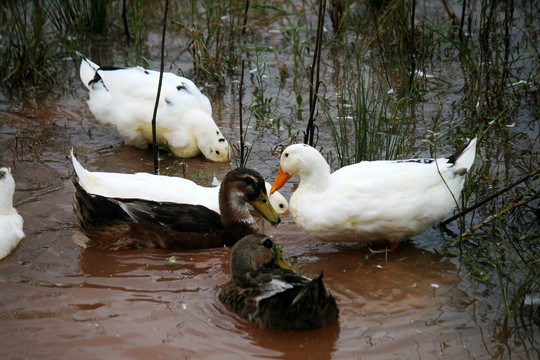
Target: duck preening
(372, 200)
(125, 98)
(11, 223)
(158, 188)
(266, 291)
(117, 223)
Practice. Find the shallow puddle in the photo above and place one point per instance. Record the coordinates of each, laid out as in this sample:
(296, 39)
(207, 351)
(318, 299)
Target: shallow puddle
(59, 301)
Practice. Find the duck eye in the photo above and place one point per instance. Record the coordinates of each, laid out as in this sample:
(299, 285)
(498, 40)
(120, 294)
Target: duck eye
(268, 243)
(286, 154)
(281, 206)
(250, 181)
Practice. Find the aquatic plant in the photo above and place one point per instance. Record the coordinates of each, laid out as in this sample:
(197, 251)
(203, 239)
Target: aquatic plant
(25, 47)
(78, 16)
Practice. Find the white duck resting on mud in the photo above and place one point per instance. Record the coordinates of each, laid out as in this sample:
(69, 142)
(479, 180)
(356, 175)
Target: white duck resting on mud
(125, 97)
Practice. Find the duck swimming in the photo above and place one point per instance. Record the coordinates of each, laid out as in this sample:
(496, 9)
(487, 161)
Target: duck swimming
(118, 223)
(373, 200)
(11, 223)
(125, 98)
(158, 188)
(266, 291)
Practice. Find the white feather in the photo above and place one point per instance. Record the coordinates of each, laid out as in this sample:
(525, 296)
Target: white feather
(11, 223)
(269, 289)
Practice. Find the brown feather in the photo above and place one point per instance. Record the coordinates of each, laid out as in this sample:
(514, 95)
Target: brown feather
(298, 304)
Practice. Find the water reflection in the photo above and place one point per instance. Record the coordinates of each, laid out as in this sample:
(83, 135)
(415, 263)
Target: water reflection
(311, 344)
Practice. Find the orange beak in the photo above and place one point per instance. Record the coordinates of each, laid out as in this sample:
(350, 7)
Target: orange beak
(281, 178)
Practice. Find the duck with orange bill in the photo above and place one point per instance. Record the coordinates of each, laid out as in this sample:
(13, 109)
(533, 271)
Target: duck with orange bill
(372, 201)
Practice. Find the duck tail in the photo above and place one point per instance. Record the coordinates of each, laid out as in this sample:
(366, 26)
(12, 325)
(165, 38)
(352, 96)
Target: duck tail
(82, 173)
(463, 159)
(93, 211)
(84, 210)
(87, 72)
(316, 300)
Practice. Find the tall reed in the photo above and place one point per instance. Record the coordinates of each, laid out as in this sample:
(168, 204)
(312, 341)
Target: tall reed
(25, 47)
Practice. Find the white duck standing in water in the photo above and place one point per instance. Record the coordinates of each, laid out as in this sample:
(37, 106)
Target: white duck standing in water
(11, 223)
(125, 99)
(372, 201)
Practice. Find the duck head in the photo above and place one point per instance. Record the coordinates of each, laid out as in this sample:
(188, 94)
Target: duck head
(254, 252)
(242, 186)
(7, 188)
(210, 140)
(278, 201)
(299, 160)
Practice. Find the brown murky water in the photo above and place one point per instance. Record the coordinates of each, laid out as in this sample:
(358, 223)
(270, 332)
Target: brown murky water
(59, 301)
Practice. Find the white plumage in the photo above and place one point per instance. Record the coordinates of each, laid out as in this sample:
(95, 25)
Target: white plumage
(157, 188)
(124, 98)
(372, 200)
(11, 223)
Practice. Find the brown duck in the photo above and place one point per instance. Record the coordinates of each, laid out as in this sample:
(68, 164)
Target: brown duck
(266, 291)
(118, 223)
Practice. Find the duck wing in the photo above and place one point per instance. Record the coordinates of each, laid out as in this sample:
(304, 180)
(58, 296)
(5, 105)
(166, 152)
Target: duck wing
(146, 186)
(134, 223)
(139, 84)
(179, 217)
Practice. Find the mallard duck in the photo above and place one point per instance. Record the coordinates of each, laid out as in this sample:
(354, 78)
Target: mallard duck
(11, 223)
(373, 200)
(158, 188)
(115, 223)
(125, 99)
(266, 291)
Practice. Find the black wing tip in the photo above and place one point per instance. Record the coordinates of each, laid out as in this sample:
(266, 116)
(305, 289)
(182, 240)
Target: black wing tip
(455, 156)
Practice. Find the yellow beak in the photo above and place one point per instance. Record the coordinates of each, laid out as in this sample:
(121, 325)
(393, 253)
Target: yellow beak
(263, 207)
(281, 178)
(278, 259)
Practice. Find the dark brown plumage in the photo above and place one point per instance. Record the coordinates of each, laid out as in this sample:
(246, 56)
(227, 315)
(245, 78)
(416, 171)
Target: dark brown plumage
(273, 297)
(113, 223)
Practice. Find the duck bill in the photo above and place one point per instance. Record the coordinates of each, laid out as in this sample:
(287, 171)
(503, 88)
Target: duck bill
(263, 207)
(281, 178)
(278, 259)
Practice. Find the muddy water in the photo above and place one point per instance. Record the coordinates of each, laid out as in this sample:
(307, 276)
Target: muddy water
(59, 301)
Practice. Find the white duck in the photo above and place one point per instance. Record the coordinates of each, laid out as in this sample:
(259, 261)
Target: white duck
(11, 223)
(372, 200)
(158, 188)
(125, 98)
